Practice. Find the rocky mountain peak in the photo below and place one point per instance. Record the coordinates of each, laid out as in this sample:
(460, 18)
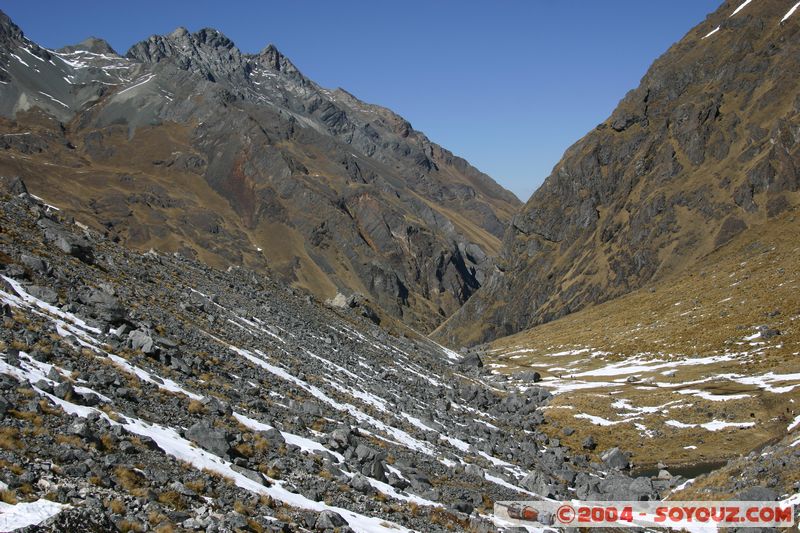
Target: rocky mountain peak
(179, 33)
(206, 51)
(8, 30)
(94, 45)
(272, 58)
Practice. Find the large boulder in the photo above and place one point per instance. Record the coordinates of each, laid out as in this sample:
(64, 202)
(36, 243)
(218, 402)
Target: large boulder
(340, 301)
(45, 294)
(537, 482)
(471, 361)
(65, 241)
(105, 306)
(35, 263)
(329, 520)
(753, 494)
(615, 458)
(13, 185)
(209, 438)
(140, 340)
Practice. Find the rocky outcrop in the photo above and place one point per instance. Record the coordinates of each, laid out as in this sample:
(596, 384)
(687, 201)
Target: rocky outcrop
(705, 147)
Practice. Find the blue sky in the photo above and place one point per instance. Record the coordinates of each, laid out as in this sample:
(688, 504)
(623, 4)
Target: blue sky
(508, 84)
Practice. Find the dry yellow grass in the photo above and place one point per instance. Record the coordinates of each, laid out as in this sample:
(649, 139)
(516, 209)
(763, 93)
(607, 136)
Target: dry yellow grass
(196, 407)
(130, 526)
(9, 438)
(129, 479)
(172, 499)
(115, 506)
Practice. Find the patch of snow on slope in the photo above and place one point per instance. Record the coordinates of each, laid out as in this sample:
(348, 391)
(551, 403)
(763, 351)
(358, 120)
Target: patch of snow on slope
(31, 300)
(305, 444)
(600, 421)
(741, 6)
(56, 100)
(636, 365)
(142, 82)
(713, 397)
(456, 443)
(416, 422)
(503, 483)
(712, 32)
(625, 404)
(13, 517)
(401, 436)
(765, 381)
(366, 397)
(560, 386)
(714, 425)
(15, 56)
(790, 12)
(162, 383)
(452, 355)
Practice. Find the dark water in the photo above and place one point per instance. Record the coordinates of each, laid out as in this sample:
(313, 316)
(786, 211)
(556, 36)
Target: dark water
(687, 471)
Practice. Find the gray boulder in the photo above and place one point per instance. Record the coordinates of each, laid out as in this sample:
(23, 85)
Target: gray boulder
(470, 361)
(106, 307)
(615, 458)
(210, 439)
(361, 484)
(538, 482)
(45, 294)
(68, 243)
(64, 390)
(35, 263)
(757, 494)
(329, 520)
(140, 340)
(531, 376)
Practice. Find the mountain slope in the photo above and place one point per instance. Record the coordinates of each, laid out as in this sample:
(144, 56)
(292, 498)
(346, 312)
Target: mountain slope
(705, 147)
(695, 369)
(151, 392)
(188, 145)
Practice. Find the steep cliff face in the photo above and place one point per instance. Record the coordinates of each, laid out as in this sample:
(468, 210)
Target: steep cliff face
(188, 145)
(705, 147)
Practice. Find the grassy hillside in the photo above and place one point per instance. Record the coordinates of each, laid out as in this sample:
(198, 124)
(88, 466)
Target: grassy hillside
(701, 367)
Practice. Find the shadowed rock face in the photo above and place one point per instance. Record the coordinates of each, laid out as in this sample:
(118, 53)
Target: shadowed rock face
(188, 145)
(705, 147)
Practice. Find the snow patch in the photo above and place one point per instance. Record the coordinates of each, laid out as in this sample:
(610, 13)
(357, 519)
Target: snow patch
(713, 397)
(714, 425)
(13, 517)
(142, 82)
(600, 421)
(790, 12)
(305, 444)
(741, 6)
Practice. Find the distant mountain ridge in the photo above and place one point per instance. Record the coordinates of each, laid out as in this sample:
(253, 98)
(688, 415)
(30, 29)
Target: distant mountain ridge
(188, 145)
(704, 148)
